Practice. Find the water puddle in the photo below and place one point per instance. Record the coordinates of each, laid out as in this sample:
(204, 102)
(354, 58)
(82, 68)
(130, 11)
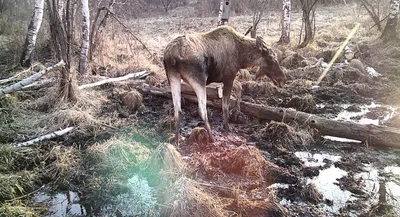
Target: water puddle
(61, 204)
(326, 182)
(377, 184)
(358, 116)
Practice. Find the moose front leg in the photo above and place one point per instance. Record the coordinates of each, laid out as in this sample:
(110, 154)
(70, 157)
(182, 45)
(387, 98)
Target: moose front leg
(225, 103)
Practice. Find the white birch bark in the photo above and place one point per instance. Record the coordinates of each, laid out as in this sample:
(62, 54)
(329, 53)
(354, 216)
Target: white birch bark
(83, 64)
(109, 80)
(224, 12)
(390, 31)
(286, 21)
(60, 9)
(30, 79)
(45, 137)
(33, 29)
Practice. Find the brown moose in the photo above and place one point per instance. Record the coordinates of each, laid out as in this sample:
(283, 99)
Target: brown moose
(215, 56)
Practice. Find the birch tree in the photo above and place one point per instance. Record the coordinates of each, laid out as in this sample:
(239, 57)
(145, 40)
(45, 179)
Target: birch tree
(61, 9)
(83, 64)
(33, 29)
(285, 36)
(390, 31)
(224, 12)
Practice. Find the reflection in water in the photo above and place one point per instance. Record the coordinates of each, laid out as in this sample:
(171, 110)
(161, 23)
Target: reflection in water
(380, 185)
(61, 204)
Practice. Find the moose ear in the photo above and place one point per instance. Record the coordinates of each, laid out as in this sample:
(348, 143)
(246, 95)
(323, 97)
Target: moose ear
(261, 44)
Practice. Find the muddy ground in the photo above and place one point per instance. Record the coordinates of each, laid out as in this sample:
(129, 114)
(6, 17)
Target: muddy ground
(110, 165)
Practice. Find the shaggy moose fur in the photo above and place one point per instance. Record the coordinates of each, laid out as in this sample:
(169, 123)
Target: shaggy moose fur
(215, 56)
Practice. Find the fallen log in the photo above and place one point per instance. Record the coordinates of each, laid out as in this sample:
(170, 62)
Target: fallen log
(15, 77)
(45, 137)
(374, 135)
(30, 79)
(109, 80)
(214, 90)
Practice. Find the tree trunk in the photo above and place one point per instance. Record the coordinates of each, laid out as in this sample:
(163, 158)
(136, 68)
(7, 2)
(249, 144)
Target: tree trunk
(390, 31)
(33, 29)
(83, 64)
(308, 34)
(372, 134)
(94, 35)
(61, 39)
(60, 9)
(224, 12)
(253, 32)
(285, 37)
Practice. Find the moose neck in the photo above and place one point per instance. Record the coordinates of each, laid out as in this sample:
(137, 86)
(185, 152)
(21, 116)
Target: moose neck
(249, 53)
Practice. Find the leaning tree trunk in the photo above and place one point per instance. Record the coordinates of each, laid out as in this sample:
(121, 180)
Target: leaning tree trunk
(83, 64)
(390, 31)
(285, 37)
(33, 30)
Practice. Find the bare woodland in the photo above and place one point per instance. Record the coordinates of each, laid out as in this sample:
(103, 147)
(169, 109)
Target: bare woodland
(107, 107)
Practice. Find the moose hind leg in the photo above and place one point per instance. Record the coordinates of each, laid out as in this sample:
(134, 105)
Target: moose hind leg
(225, 103)
(175, 83)
(200, 90)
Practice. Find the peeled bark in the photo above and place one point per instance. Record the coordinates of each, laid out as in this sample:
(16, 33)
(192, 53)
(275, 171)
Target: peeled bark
(83, 64)
(390, 31)
(33, 29)
(285, 37)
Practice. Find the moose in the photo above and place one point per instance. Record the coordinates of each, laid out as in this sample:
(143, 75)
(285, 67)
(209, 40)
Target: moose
(215, 56)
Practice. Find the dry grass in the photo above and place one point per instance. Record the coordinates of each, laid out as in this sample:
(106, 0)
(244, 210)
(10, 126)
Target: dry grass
(303, 103)
(311, 193)
(31, 119)
(16, 184)
(132, 100)
(287, 136)
(66, 166)
(17, 208)
(116, 155)
(254, 88)
(12, 159)
(188, 199)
